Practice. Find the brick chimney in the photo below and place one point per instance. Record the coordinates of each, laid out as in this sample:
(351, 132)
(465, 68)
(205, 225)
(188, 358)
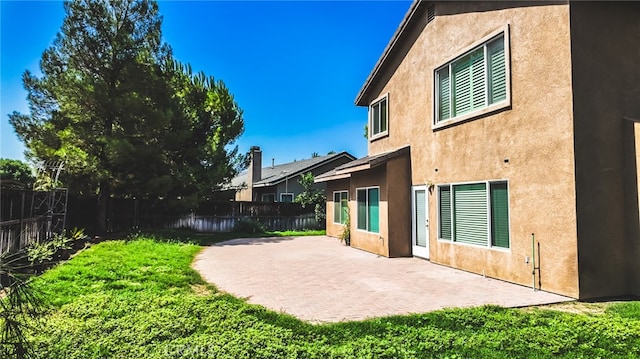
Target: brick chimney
(255, 165)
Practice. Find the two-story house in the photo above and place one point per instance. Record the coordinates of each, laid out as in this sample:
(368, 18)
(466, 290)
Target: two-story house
(502, 141)
(279, 182)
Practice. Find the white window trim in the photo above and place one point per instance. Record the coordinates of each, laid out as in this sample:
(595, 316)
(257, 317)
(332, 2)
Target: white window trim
(357, 214)
(487, 183)
(373, 137)
(334, 203)
(485, 110)
(439, 234)
(285, 194)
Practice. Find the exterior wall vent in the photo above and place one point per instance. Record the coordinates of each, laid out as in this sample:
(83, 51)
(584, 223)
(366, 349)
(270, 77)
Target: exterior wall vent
(431, 12)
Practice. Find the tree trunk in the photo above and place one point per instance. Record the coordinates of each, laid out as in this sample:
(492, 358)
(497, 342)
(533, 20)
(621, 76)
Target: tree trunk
(101, 215)
(102, 207)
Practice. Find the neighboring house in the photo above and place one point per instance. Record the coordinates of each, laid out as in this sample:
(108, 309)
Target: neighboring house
(279, 183)
(493, 121)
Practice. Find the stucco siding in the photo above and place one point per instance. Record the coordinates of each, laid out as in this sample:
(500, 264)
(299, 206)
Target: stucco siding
(529, 144)
(368, 241)
(335, 229)
(244, 194)
(399, 203)
(606, 53)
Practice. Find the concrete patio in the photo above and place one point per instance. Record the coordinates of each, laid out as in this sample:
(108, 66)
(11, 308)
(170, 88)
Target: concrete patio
(318, 279)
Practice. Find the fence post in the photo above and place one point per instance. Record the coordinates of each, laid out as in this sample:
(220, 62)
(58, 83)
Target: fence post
(21, 229)
(135, 213)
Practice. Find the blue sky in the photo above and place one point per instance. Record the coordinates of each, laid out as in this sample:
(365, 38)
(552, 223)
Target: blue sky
(294, 67)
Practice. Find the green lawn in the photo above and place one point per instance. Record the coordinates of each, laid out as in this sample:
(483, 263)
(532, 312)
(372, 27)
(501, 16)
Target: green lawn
(141, 299)
(203, 239)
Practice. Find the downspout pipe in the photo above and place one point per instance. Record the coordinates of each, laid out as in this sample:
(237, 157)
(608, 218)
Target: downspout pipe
(533, 261)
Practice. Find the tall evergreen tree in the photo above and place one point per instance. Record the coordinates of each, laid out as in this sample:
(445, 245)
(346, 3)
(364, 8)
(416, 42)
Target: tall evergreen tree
(127, 119)
(15, 170)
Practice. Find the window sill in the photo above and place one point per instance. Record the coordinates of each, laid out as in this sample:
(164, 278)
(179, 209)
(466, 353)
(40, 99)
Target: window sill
(506, 104)
(494, 248)
(379, 136)
(365, 231)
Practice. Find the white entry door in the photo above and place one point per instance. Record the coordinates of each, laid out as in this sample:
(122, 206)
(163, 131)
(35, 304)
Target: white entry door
(420, 211)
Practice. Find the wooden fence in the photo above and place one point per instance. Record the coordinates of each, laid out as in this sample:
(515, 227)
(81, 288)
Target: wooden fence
(209, 216)
(28, 217)
(16, 234)
(228, 223)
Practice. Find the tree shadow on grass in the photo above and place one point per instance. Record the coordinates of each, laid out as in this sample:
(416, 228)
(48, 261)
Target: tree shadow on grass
(254, 241)
(191, 237)
(216, 238)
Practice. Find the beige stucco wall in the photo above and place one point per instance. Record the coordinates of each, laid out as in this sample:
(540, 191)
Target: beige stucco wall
(606, 55)
(244, 194)
(535, 135)
(398, 196)
(372, 242)
(394, 194)
(334, 229)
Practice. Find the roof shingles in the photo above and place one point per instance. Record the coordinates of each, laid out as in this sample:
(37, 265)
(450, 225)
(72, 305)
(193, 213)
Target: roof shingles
(279, 173)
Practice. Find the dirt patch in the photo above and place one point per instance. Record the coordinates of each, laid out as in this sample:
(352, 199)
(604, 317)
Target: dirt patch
(576, 307)
(202, 290)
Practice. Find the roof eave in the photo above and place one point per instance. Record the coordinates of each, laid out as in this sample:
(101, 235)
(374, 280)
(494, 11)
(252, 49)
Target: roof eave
(332, 178)
(360, 98)
(345, 172)
(362, 167)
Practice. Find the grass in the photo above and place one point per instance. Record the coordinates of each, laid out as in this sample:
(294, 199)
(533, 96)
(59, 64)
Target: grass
(140, 298)
(203, 239)
(626, 310)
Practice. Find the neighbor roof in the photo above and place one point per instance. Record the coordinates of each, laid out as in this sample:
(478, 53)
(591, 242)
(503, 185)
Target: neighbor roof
(279, 173)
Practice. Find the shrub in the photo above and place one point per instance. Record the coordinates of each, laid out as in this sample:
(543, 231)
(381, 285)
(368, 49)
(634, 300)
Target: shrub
(39, 253)
(312, 196)
(345, 236)
(58, 247)
(246, 225)
(20, 304)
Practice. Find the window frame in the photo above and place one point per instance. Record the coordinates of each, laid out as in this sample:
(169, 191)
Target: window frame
(286, 194)
(379, 100)
(263, 195)
(482, 43)
(341, 220)
(487, 184)
(368, 220)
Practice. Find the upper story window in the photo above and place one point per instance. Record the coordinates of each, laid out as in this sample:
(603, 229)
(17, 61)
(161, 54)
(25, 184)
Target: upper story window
(474, 83)
(379, 117)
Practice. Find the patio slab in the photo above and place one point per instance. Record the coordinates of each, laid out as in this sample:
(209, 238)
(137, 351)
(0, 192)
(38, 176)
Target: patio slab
(319, 280)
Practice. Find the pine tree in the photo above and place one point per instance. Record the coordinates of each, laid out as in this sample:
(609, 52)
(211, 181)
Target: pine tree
(127, 118)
